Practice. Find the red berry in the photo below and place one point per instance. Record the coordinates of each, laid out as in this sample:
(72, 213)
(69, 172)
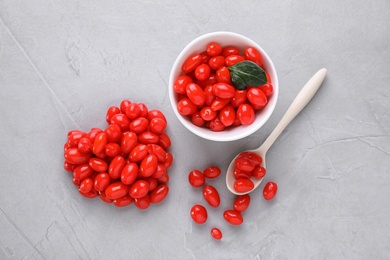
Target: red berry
(241, 203)
(216, 233)
(245, 114)
(269, 191)
(258, 172)
(191, 63)
(243, 185)
(196, 178)
(159, 193)
(233, 217)
(213, 49)
(212, 172)
(211, 195)
(199, 214)
(254, 55)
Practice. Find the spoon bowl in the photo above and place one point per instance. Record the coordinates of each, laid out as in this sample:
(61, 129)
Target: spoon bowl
(302, 99)
(230, 179)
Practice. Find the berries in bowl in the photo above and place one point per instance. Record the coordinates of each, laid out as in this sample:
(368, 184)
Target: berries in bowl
(223, 86)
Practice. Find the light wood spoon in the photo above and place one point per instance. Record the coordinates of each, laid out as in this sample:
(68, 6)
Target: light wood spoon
(302, 99)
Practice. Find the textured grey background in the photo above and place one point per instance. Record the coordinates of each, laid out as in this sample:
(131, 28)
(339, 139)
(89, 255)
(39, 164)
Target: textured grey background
(62, 63)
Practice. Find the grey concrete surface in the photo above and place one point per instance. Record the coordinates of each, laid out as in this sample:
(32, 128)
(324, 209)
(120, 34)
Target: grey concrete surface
(62, 63)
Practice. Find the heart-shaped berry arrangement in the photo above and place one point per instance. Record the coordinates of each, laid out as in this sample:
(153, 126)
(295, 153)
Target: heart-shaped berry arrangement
(125, 162)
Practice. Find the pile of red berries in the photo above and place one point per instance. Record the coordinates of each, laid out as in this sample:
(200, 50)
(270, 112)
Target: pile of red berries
(206, 94)
(246, 166)
(125, 162)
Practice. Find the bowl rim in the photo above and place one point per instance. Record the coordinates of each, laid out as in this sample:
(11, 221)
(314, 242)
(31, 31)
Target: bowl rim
(204, 132)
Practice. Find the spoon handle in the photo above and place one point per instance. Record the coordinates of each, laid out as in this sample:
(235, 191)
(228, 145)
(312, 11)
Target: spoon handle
(302, 99)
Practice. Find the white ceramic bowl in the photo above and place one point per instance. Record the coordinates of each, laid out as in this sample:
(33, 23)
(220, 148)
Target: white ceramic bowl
(199, 45)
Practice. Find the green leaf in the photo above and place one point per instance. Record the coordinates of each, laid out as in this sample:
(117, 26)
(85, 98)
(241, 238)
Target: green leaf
(238, 82)
(247, 73)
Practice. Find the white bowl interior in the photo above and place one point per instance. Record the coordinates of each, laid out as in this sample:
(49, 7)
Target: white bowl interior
(199, 45)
